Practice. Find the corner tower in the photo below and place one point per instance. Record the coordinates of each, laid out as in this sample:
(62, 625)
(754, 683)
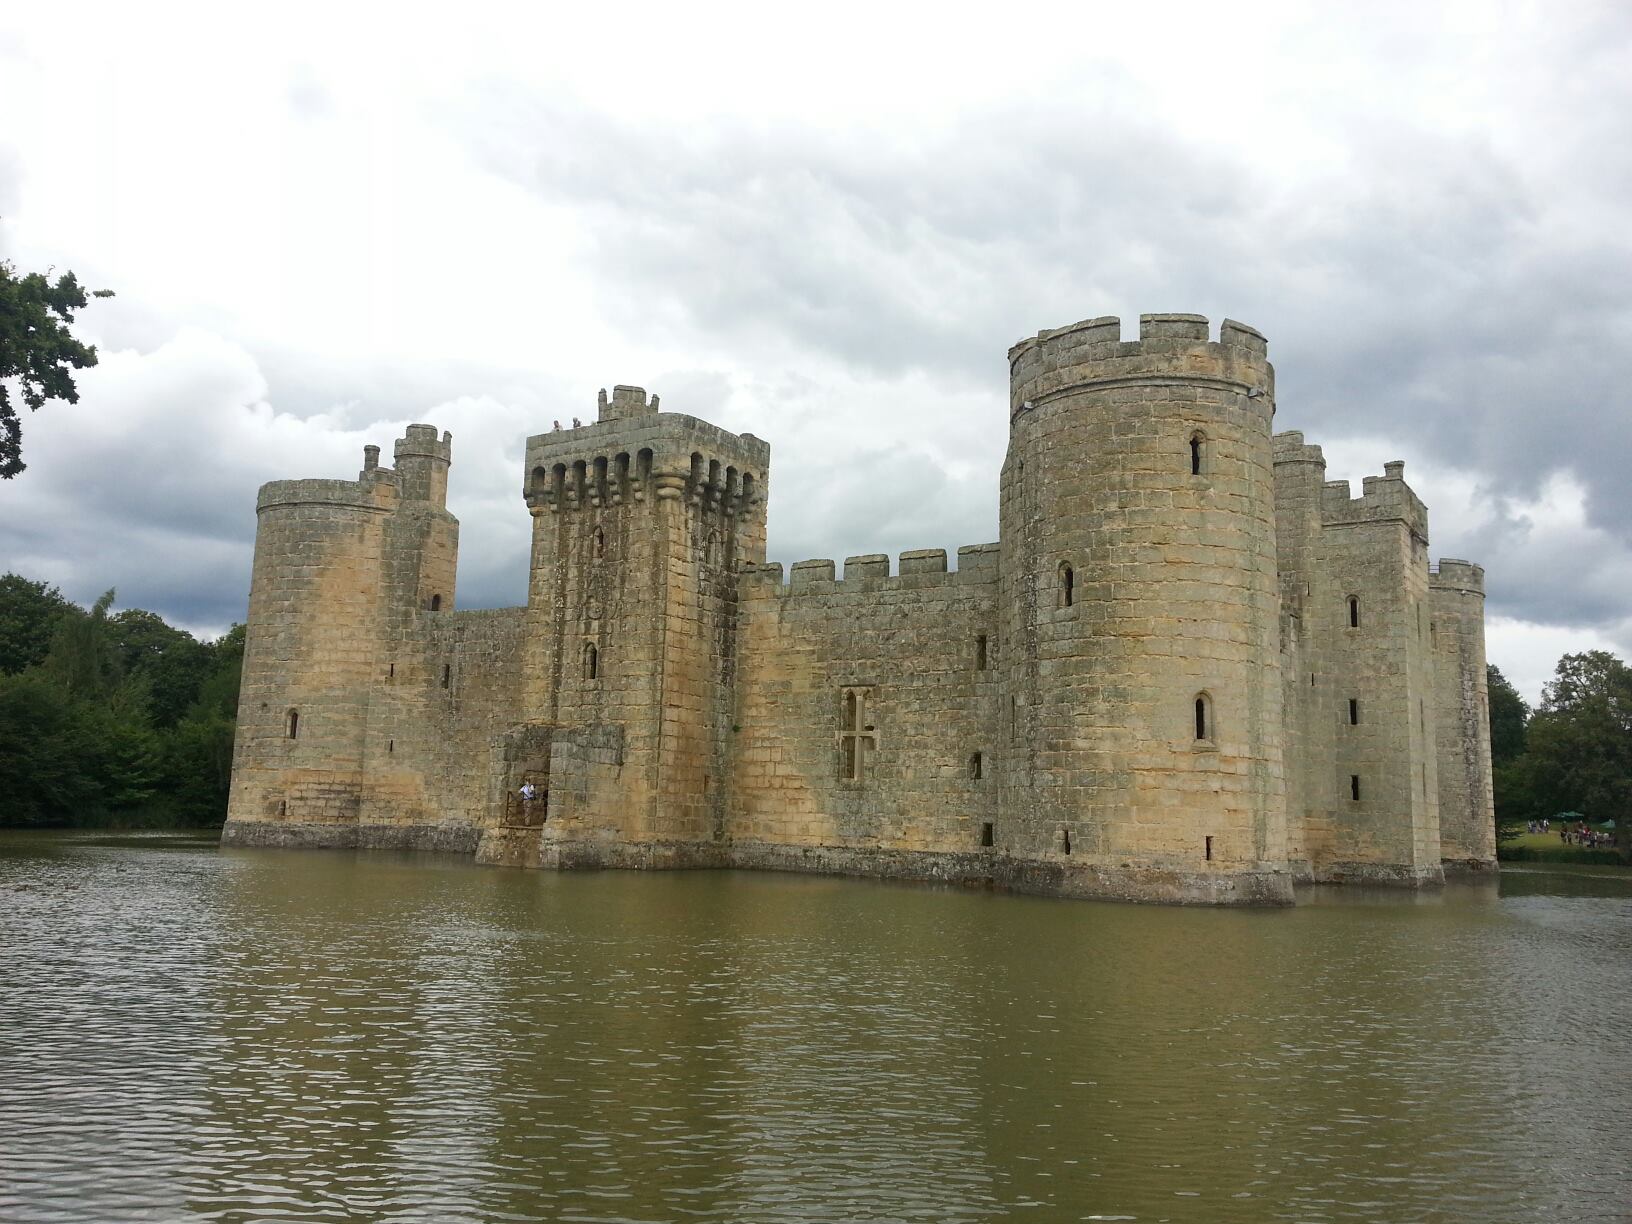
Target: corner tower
(342, 570)
(1142, 705)
(1467, 818)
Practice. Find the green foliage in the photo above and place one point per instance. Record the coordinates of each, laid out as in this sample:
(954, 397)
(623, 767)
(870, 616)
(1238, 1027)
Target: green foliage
(29, 612)
(37, 351)
(1509, 713)
(1575, 750)
(122, 720)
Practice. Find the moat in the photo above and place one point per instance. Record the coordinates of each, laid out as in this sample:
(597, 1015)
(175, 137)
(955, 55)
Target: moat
(261, 1034)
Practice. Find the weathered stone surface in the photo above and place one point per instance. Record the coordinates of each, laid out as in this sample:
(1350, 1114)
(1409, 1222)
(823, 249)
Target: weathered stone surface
(1028, 720)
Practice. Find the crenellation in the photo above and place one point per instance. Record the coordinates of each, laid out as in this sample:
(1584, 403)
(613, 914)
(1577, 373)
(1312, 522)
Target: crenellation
(1153, 686)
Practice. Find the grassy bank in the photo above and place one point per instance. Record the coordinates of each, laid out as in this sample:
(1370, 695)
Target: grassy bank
(1547, 848)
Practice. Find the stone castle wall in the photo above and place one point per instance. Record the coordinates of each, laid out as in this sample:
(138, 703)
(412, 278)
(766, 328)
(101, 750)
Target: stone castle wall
(1153, 687)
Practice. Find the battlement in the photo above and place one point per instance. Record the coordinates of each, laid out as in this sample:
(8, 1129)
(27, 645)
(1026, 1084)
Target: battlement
(1385, 498)
(420, 441)
(626, 402)
(634, 453)
(1171, 347)
(915, 569)
(1454, 574)
(1291, 448)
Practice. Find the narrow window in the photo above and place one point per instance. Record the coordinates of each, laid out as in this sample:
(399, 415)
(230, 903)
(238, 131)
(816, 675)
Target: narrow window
(1195, 454)
(1354, 786)
(390, 745)
(1354, 711)
(391, 672)
(986, 833)
(293, 727)
(1202, 727)
(1014, 716)
(1065, 840)
(598, 544)
(857, 737)
(1354, 612)
(1207, 848)
(1068, 581)
(980, 652)
(1311, 679)
(1422, 715)
(974, 767)
(283, 807)
(447, 674)
(592, 661)
(436, 603)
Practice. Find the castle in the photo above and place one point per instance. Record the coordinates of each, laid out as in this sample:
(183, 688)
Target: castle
(1191, 669)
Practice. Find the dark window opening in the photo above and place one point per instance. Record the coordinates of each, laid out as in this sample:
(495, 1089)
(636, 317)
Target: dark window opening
(283, 807)
(986, 833)
(293, 728)
(1201, 718)
(974, 767)
(592, 661)
(1014, 716)
(1354, 786)
(436, 603)
(391, 672)
(980, 652)
(447, 674)
(1311, 679)
(598, 544)
(1208, 848)
(390, 745)
(1065, 841)
(1068, 582)
(1354, 712)
(1354, 612)
(1195, 454)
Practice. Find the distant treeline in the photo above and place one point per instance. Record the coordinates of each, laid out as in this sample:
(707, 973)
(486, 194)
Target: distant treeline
(117, 720)
(1572, 754)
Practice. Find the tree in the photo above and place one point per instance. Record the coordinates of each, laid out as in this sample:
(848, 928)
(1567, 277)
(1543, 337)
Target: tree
(29, 614)
(37, 349)
(1580, 740)
(1509, 714)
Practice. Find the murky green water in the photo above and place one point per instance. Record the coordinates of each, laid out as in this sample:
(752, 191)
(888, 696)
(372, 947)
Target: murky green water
(282, 1035)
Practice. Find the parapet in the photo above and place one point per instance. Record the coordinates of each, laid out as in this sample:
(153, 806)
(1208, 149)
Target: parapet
(916, 569)
(626, 402)
(1453, 574)
(1386, 498)
(421, 441)
(1291, 448)
(1170, 346)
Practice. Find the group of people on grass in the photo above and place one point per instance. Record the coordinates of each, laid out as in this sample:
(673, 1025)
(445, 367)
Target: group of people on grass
(1578, 834)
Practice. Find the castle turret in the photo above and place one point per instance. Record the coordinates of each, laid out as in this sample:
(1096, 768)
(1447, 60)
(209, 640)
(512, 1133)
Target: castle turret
(1143, 745)
(342, 570)
(1467, 823)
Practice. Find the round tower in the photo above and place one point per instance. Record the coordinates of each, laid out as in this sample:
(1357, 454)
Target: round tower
(310, 654)
(1142, 704)
(1467, 819)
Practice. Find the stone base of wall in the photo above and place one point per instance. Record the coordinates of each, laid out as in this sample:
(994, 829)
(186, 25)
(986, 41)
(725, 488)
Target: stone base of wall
(978, 869)
(1467, 867)
(450, 839)
(1395, 875)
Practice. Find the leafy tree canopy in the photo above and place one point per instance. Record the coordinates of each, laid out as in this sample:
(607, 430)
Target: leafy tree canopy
(29, 612)
(37, 350)
(1509, 712)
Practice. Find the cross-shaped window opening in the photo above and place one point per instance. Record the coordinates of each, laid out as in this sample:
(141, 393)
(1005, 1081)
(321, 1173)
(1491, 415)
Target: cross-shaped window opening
(858, 739)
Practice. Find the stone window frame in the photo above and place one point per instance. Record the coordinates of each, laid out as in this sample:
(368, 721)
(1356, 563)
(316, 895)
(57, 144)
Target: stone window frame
(1198, 452)
(1204, 711)
(291, 724)
(1065, 581)
(591, 656)
(857, 738)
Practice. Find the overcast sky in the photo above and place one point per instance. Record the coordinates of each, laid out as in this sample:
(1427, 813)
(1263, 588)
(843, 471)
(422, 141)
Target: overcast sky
(824, 224)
